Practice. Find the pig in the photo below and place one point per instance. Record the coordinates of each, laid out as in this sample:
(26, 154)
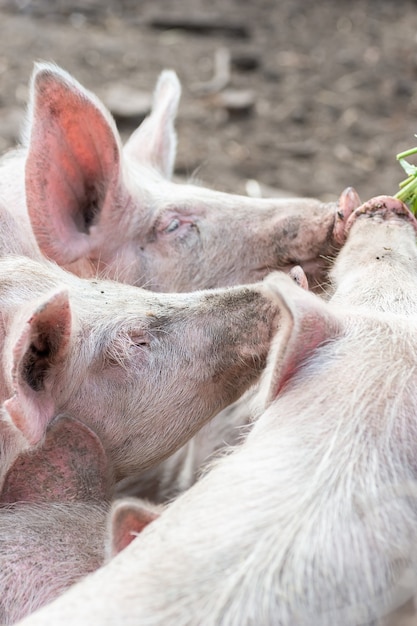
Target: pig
(54, 510)
(100, 209)
(313, 519)
(144, 371)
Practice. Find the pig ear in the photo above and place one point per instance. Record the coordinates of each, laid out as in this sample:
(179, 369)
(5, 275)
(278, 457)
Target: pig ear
(128, 517)
(72, 165)
(306, 323)
(41, 348)
(348, 201)
(154, 143)
(70, 466)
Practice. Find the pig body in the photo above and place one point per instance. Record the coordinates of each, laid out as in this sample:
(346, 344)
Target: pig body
(313, 520)
(44, 549)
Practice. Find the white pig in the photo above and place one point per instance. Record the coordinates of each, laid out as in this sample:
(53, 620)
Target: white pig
(100, 209)
(313, 520)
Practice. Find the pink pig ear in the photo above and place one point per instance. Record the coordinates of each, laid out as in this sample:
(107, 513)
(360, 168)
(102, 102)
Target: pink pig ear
(306, 323)
(154, 143)
(41, 348)
(72, 166)
(128, 517)
(70, 465)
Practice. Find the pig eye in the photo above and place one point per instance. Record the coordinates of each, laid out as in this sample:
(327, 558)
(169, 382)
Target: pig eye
(120, 351)
(173, 225)
(140, 340)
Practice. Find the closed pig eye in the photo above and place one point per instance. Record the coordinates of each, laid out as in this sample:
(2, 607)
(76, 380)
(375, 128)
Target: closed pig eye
(119, 353)
(139, 340)
(174, 223)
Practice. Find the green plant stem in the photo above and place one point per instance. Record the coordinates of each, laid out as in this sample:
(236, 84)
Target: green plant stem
(408, 190)
(403, 155)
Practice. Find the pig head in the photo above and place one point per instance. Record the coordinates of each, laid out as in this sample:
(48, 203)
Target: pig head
(98, 208)
(145, 371)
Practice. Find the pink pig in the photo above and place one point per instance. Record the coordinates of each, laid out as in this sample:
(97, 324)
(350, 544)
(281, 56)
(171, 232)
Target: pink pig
(98, 208)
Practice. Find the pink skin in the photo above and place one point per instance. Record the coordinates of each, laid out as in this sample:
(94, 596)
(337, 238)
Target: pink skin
(53, 508)
(69, 465)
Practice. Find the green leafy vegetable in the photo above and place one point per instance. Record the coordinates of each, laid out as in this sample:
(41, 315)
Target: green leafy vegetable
(408, 187)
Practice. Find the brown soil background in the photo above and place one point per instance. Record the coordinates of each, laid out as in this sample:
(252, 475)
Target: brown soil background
(332, 82)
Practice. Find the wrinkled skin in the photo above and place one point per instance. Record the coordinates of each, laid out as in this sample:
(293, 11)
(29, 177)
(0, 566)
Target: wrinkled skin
(313, 520)
(100, 209)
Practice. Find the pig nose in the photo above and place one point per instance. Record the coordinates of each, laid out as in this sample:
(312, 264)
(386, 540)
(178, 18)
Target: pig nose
(383, 208)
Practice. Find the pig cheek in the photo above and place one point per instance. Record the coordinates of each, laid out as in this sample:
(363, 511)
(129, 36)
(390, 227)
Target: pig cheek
(177, 263)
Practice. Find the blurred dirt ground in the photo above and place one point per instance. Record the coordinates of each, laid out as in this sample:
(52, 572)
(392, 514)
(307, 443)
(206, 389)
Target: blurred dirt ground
(297, 95)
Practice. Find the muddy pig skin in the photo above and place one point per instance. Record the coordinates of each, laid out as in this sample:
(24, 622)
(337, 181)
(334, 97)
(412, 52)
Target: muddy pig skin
(101, 209)
(313, 520)
(145, 371)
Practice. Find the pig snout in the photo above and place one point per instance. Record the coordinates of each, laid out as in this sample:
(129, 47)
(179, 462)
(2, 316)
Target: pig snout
(250, 340)
(377, 266)
(312, 238)
(382, 208)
